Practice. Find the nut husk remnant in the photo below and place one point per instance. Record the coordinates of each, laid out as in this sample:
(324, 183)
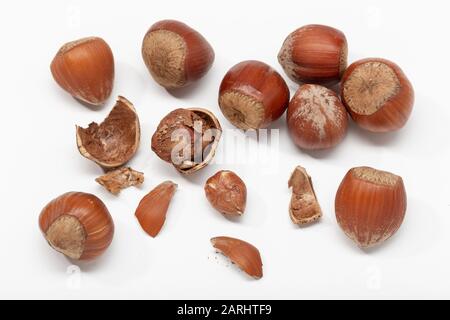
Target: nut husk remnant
(117, 180)
(304, 208)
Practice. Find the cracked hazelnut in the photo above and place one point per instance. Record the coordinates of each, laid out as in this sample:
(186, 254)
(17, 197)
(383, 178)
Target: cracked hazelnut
(370, 205)
(316, 118)
(85, 69)
(314, 54)
(377, 94)
(175, 54)
(253, 95)
(187, 138)
(77, 225)
(115, 141)
(227, 193)
(304, 208)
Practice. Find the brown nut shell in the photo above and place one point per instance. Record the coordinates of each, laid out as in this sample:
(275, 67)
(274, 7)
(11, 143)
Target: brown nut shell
(227, 193)
(78, 225)
(252, 95)
(175, 54)
(377, 94)
(243, 254)
(85, 69)
(304, 207)
(314, 54)
(188, 139)
(370, 205)
(115, 141)
(152, 210)
(117, 180)
(316, 118)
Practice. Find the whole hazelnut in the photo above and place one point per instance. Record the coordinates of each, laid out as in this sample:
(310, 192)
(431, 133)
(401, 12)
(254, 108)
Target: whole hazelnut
(253, 95)
(227, 193)
(370, 205)
(316, 118)
(85, 69)
(187, 138)
(175, 54)
(77, 225)
(314, 54)
(377, 94)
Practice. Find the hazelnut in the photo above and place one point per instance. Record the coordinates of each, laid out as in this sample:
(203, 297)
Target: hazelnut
(85, 69)
(175, 54)
(187, 138)
(370, 205)
(314, 54)
(227, 193)
(377, 94)
(115, 141)
(77, 225)
(243, 254)
(117, 180)
(253, 95)
(316, 118)
(304, 208)
(152, 210)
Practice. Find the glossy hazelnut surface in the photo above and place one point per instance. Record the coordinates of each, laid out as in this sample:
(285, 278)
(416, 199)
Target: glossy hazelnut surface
(253, 95)
(175, 54)
(377, 94)
(314, 54)
(370, 205)
(85, 69)
(77, 225)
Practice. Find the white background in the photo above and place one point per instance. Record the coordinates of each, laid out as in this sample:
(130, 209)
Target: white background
(39, 159)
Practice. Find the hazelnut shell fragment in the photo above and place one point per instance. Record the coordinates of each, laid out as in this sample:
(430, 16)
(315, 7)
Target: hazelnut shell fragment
(115, 141)
(304, 208)
(77, 225)
(243, 254)
(117, 180)
(152, 210)
(188, 139)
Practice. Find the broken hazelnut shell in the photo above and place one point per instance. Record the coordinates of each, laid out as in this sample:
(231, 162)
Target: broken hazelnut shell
(370, 205)
(243, 254)
(152, 210)
(117, 180)
(316, 118)
(175, 54)
(115, 141)
(188, 139)
(227, 193)
(314, 54)
(252, 95)
(85, 69)
(377, 94)
(304, 208)
(77, 225)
